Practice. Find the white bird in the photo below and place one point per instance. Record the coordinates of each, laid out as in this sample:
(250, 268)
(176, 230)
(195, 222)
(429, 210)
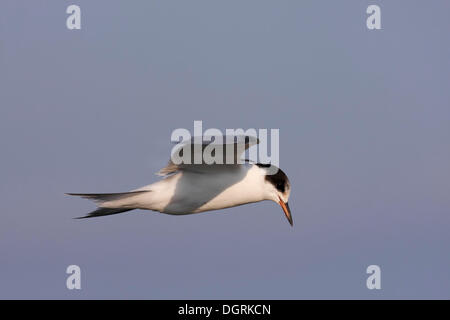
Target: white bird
(193, 188)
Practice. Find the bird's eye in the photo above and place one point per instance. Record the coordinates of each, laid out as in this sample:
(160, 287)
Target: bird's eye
(280, 187)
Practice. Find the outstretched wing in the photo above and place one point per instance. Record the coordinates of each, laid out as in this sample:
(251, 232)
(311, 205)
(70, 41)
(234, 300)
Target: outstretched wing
(200, 154)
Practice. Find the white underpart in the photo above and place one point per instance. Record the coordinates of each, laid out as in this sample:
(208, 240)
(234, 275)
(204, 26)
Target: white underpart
(196, 191)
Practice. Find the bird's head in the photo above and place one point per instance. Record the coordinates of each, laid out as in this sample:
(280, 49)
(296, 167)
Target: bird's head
(277, 188)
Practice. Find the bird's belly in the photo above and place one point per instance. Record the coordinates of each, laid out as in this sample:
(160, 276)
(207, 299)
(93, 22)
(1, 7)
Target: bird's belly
(198, 192)
(184, 207)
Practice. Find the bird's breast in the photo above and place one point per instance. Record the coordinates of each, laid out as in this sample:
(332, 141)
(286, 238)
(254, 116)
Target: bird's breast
(191, 192)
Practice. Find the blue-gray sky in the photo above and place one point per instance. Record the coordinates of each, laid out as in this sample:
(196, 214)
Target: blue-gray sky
(365, 140)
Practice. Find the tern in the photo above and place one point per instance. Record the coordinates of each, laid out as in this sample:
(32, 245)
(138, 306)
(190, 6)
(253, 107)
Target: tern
(193, 188)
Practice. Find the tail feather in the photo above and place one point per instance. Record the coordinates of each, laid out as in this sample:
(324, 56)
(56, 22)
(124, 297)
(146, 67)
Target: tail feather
(104, 212)
(103, 197)
(109, 203)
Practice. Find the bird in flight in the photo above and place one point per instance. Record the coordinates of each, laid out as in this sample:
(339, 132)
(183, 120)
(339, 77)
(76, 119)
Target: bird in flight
(193, 188)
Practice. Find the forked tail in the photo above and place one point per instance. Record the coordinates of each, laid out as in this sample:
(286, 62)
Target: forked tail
(109, 203)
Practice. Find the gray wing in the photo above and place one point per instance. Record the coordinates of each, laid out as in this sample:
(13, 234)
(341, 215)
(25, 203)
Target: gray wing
(207, 154)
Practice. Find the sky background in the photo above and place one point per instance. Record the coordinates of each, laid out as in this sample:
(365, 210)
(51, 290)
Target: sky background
(364, 138)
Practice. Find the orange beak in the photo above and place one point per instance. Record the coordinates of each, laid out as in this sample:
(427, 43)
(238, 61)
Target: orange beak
(287, 211)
